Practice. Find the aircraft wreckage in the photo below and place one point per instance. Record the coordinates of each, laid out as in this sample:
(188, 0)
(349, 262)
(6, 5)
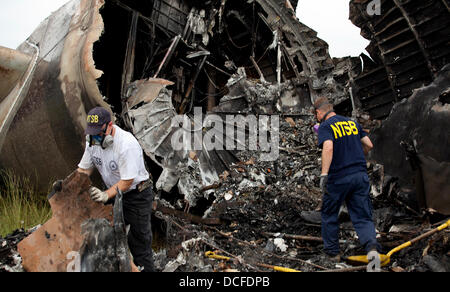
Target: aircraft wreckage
(84, 57)
(151, 61)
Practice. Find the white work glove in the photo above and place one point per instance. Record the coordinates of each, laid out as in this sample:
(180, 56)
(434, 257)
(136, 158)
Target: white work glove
(98, 195)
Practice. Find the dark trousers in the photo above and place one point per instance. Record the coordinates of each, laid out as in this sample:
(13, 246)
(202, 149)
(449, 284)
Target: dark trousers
(354, 190)
(137, 212)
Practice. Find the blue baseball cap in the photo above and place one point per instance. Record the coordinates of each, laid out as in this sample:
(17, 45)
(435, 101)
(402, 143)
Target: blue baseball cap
(96, 118)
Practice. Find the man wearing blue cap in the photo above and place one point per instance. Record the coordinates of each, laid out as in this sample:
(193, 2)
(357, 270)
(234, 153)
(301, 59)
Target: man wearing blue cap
(119, 159)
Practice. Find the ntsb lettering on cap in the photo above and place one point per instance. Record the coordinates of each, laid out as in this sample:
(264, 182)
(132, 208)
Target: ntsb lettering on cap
(246, 282)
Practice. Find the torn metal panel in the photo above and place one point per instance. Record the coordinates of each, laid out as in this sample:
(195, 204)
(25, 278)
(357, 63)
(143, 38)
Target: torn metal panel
(152, 125)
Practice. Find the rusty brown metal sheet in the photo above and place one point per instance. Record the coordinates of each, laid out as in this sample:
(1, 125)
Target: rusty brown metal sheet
(48, 249)
(146, 90)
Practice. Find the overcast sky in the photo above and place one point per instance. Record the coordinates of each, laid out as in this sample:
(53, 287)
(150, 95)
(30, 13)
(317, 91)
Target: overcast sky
(330, 18)
(19, 18)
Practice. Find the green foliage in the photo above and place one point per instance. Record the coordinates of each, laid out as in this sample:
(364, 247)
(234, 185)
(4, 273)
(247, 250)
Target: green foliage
(21, 205)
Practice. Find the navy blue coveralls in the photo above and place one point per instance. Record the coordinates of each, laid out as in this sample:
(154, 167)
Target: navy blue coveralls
(347, 181)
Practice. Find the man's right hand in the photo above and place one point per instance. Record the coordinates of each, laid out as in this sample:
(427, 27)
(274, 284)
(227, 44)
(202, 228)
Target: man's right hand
(98, 195)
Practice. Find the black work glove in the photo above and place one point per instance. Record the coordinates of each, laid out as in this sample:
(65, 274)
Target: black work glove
(323, 183)
(57, 185)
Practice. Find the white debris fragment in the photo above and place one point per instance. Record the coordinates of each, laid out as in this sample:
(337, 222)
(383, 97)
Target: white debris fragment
(399, 228)
(375, 191)
(261, 177)
(172, 266)
(17, 268)
(378, 233)
(353, 234)
(299, 174)
(228, 196)
(341, 266)
(187, 256)
(279, 242)
(247, 184)
(187, 245)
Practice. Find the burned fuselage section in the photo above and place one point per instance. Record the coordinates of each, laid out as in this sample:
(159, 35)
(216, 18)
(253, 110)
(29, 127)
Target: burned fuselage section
(199, 46)
(167, 58)
(409, 46)
(43, 140)
(404, 83)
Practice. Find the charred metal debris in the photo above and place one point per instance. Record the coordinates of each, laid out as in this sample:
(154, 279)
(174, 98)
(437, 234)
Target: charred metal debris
(166, 58)
(226, 57)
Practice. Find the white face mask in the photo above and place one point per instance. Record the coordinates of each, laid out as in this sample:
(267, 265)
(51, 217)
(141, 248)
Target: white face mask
(107, 142)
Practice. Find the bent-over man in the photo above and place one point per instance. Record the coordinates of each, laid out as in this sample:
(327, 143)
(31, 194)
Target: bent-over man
(119, 159)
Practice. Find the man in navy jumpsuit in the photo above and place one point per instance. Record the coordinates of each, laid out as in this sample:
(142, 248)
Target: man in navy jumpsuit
(344, 178)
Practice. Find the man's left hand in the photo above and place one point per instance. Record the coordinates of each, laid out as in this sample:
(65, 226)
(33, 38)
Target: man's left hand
(323, 183)
(98, 196)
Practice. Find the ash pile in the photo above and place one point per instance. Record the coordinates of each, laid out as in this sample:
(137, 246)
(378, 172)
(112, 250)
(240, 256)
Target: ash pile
(264, 215)
(10, 260)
